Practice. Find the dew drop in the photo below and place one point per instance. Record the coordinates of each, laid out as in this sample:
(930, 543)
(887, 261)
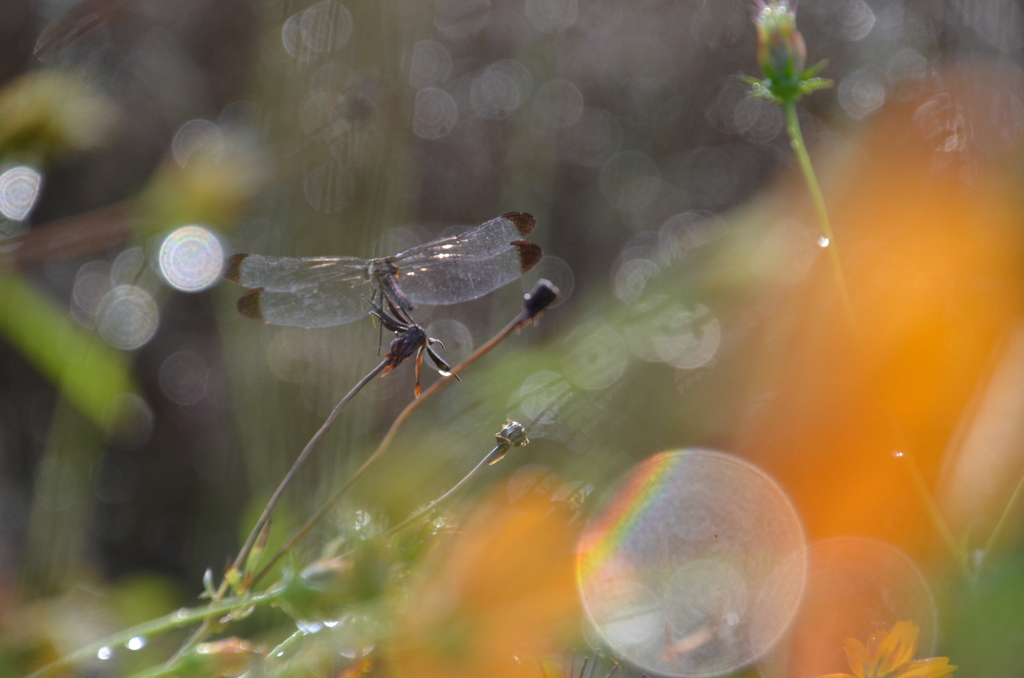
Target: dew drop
(136, 643)
(308, 627)
(897, 454)
(104, 653)
(823, 241)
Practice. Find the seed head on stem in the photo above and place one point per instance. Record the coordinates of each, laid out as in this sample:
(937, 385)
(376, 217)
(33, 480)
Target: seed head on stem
(782, 55)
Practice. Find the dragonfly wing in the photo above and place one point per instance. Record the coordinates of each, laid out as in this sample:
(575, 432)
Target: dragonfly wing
(452, 281)
(330, 303)
(468, 265)
(480, 242)
(287, 274)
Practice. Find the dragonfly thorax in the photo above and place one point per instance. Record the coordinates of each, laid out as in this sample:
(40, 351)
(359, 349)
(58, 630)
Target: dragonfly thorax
(385, 275)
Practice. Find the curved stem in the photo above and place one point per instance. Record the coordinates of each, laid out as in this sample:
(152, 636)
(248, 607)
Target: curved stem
(276, 497)
(389, 437)
(286, 644)
(499, 448)
(246, 549)
(936, 514)
(917, 478)
(796, 138)
(174, 620)
(997, 532)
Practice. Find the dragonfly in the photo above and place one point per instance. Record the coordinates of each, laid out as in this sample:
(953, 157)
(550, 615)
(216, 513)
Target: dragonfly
(327, 291)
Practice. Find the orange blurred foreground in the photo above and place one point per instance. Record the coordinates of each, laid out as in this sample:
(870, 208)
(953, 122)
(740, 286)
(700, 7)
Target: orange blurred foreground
(496, 598)
(927, 216)
(927, 212)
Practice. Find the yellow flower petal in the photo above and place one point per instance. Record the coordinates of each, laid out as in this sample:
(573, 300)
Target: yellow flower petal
(857, 655)
(936, 667)
(874, 653)
(898, 647)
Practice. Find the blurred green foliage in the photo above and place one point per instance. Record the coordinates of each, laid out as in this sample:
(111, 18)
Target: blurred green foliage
(701, 314)
(94, 377)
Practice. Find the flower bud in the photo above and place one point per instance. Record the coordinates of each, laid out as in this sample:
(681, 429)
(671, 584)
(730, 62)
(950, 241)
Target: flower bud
(781, 52)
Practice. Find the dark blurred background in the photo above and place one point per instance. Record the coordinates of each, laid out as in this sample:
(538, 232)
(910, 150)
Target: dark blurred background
(696, 307)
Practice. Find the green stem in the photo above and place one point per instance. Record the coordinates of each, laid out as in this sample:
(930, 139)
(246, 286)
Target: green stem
(994, 538)
(800, 149)
(502, 447)
(174, 620)
(936, 514)
(796, 138)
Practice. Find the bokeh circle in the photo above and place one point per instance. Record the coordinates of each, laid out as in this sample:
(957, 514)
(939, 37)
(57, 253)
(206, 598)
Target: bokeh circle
(191, 258)
(855, 587)
(695, 567)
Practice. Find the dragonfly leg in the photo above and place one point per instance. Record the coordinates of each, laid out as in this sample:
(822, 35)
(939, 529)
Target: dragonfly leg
(419, 367)
(443, 367)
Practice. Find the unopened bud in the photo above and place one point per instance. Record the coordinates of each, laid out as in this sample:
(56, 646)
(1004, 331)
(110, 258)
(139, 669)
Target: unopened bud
(781, 52)
(782, 55)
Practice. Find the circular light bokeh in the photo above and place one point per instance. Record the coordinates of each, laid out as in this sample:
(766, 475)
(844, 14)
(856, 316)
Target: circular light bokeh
(19, 189)
(456, 337)
(128, 317)
(184, 378)
(191, 258)
(695, 567)
(855, 586)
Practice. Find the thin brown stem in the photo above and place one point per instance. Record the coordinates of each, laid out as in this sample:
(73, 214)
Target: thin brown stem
(276, 497)
(205, 628)
(389, 437)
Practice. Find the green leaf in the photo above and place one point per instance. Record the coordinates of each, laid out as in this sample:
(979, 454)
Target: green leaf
(93, 377)
(814, 84)
(814, 70)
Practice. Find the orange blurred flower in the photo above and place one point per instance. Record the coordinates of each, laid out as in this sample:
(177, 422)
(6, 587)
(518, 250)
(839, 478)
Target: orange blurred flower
(891, 655)
(498, 596)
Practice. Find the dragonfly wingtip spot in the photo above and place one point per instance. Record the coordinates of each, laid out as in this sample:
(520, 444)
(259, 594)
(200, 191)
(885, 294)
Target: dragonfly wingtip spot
(524, 222)
(529, 254)
(233, 267)
(249, 305)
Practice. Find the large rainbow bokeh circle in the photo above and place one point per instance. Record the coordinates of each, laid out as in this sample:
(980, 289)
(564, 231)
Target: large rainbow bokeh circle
(696, 565)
